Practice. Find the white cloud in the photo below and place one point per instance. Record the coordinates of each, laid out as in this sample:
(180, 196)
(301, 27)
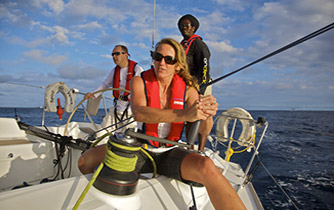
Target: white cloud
(222, 47)
(60, 34)
(74, 72)
(10, 13)
(41, 56)
(89, 26)
(238, 5)
(140, 45)
(280, 23)
(283, 85)
(15, 40)
(56, 6)
(85, 8)
(107, 56)
(54, 35)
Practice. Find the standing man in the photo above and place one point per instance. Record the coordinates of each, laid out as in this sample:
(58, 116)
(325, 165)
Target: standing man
(119, 77)
(198, 55)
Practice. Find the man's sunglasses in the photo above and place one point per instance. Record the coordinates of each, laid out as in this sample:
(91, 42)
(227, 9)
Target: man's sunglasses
(117, 53)
(158, 57)
(184, 25)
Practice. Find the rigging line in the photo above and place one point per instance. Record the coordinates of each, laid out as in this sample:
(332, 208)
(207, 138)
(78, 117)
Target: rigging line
(295, 43)
(14, 83)
(122, 121)
(195, 127)
(42, 87)
(281, 188)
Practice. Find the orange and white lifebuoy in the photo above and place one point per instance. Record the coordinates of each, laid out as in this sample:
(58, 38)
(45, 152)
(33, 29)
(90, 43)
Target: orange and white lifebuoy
(247, 122)
(50, 97)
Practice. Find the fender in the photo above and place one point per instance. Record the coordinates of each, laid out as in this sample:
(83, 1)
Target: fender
(247, 122)
(50, 95)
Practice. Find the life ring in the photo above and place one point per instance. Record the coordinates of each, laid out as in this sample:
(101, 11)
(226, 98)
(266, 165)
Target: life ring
(247, 122)
(50, 94)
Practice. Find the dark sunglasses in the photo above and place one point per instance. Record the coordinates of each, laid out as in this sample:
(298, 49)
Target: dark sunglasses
(158, 57)
(185, 25)
(117, 53)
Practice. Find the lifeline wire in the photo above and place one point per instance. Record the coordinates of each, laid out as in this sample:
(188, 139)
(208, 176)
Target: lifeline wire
(14, 83)
(281, 188)
(297, 42)
(42, 87)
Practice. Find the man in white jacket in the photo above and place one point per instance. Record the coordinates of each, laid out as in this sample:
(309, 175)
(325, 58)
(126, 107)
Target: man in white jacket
(119, 77)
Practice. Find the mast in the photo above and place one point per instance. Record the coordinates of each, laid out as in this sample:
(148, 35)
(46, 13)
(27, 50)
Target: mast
(153, 32)
(153, 24)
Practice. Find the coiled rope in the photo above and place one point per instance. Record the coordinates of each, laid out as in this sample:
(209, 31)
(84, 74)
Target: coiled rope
(120, 163)
(117, 163)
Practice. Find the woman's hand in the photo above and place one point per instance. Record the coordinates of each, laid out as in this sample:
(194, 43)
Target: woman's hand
(208, 105)
(202, 109)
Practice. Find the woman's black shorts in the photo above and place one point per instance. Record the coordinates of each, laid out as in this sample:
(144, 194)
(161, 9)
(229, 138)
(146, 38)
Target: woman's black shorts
(168, 163)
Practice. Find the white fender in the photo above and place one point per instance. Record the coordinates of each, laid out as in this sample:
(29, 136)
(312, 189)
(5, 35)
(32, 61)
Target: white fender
(50, 94)
(247, 122)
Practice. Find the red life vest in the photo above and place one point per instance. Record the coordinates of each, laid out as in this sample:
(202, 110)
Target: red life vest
(186, 43)
(117, 76)
(177, 101)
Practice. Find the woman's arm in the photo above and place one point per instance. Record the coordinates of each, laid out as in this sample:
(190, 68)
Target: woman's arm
(208, 106)
(143, 113)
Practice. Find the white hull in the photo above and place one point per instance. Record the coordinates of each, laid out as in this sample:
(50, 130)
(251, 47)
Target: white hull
(32, 161)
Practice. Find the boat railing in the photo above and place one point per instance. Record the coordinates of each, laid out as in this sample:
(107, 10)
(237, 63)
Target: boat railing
(236, 131)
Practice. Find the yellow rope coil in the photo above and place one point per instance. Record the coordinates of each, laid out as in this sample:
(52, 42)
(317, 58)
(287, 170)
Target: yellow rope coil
(118, 163)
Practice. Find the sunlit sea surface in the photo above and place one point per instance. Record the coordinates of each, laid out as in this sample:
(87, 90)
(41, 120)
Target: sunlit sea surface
(297, 150)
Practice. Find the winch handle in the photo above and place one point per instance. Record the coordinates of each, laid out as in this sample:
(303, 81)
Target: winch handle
(193, 133)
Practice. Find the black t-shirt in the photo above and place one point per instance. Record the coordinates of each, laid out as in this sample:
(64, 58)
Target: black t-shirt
(198, 60)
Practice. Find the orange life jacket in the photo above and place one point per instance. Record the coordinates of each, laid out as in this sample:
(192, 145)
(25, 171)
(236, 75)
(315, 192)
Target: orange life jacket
(177, 101)
(117, 76)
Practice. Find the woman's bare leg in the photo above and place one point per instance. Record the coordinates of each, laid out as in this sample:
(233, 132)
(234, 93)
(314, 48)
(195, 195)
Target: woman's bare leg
(200, 169)
(91, 158)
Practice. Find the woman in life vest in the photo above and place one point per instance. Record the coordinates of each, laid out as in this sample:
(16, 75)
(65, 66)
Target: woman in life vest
(162, 106)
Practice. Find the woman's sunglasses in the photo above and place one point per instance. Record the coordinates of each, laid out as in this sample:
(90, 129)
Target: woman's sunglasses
(158, 57)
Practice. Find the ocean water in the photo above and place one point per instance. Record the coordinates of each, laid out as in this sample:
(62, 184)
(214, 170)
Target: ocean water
(297, 150)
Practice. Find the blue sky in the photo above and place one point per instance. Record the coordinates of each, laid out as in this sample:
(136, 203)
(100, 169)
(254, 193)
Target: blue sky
(46, 41)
